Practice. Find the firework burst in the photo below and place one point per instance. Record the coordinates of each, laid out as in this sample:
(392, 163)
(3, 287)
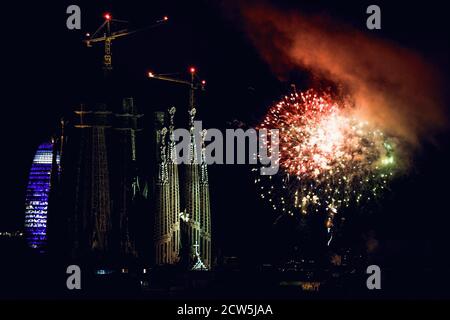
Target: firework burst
(329, 157)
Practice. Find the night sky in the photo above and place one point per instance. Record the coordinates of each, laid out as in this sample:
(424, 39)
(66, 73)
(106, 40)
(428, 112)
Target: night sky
(47, 70)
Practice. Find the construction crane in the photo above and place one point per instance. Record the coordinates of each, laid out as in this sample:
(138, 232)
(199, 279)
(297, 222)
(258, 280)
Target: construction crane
(108, 36)
(194, 83)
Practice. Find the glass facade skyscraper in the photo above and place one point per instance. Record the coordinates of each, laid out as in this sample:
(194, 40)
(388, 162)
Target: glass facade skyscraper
(37, 196)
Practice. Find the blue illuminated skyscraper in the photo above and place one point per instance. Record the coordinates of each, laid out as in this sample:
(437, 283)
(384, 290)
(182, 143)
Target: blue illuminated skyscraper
(37, 196)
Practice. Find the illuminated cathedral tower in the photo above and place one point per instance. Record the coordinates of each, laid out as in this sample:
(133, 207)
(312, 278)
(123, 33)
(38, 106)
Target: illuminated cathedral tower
(205, 213)
(197, 215)
(167, 223)
(191, 193)
(182, 219)
(45, 162)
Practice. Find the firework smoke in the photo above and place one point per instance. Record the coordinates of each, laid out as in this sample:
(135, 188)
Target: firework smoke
(391, 86)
